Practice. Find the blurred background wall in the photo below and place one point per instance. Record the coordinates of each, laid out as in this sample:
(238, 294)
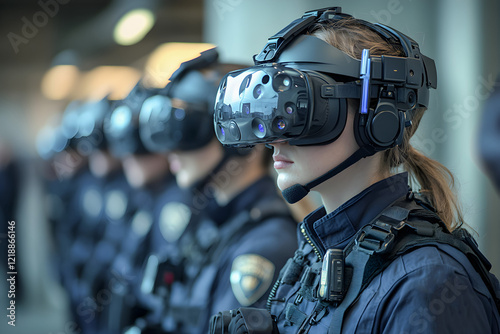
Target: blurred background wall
(37, 36)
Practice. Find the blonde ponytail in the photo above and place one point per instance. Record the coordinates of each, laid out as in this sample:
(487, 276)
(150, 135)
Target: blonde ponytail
(435, 181)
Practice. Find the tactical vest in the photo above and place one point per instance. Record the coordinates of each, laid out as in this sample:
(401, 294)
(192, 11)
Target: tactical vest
(193, 279)
(406, 225)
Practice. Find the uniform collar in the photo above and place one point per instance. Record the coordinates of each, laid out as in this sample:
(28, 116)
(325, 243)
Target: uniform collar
(334, 230)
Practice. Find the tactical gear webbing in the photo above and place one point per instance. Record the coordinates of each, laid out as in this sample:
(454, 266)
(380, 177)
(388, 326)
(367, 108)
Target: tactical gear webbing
(402, 227)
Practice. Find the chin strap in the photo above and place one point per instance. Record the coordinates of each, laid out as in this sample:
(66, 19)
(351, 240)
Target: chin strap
(297, 192)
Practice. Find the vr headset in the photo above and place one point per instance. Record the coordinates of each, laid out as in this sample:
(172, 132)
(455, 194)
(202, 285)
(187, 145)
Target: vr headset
(121, 125)
(90, 135)
(180, 116)
(51, 140)
(298, 89)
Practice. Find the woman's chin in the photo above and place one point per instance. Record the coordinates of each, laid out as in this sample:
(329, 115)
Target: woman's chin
(284, 182)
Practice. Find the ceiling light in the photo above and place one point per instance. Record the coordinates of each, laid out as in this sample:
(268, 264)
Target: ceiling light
(133, 26)
(59, 81)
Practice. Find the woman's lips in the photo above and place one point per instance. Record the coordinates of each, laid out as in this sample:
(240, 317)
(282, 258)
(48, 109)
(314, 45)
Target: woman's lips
(281, 162)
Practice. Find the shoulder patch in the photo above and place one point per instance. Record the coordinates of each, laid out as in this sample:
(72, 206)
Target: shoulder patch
(251, 276)
(174, 218)
(141, 223)
(92, 202)
(116, 204)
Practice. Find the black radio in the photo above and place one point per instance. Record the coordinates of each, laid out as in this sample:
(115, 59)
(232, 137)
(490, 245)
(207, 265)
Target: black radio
(331, 286)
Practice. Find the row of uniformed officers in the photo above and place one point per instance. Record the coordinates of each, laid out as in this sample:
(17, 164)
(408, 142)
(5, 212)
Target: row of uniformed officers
(158, 226)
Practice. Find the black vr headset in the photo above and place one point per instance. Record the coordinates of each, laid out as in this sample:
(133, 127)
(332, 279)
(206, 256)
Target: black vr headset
(51, 140)
(298, 89)
(90, 134)
(60, 134)
(121, 125)
(298, 92)
(180, 116)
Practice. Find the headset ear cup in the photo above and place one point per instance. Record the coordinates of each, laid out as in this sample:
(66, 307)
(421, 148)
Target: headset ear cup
(384, 127)
(381, 128)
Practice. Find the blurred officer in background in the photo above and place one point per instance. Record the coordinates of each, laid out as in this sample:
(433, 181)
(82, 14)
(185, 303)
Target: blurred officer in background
(242, 230)
(489, 136)
(108, 138)
(148, 174)
(64, 171)
(99, 197)
(66, 175)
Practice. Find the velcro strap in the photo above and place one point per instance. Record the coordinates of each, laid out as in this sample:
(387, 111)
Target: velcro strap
(307, 277)
(291, 272)
(396, 213)
(423, 228)
(293, 268)
(294, 315)
(310, 281)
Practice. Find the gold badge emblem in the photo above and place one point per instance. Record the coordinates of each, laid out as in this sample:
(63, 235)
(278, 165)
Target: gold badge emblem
(141, 223)
(251, 276)
(92, 202)
(174, 218)
(116, 204)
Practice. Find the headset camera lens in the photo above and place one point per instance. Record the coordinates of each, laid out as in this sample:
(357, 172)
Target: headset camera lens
(234, 130)
(279, 123)
(258, 127)
(282, 82)
(258, 91)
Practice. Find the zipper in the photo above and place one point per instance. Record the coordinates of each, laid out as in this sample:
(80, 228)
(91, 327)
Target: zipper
(316, 250)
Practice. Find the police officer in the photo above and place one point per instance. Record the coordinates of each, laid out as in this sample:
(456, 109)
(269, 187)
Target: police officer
(110, 207)
(243, 231)
(172, 216)
(67, 179)
(148, 174)
(338, 99)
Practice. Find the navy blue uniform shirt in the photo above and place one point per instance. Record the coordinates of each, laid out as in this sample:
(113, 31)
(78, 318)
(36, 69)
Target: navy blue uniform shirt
(433, 289)
(248, 245)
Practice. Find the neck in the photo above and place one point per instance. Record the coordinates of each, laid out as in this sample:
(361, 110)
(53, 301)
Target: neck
(236, 176)
(350, 182)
